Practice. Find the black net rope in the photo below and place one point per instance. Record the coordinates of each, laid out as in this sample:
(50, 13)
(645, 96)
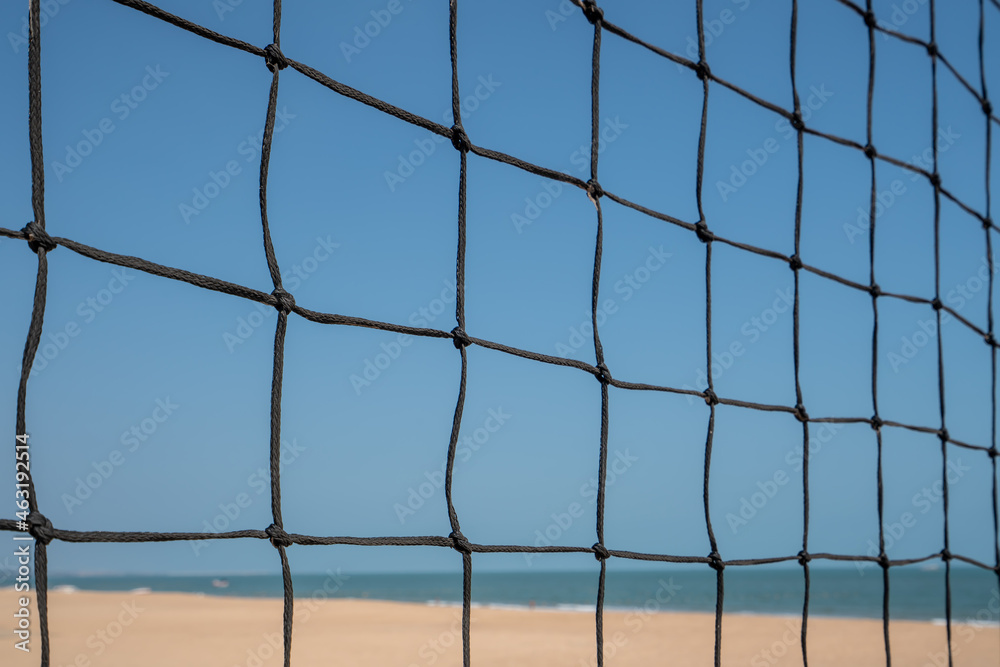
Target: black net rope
(38, 240)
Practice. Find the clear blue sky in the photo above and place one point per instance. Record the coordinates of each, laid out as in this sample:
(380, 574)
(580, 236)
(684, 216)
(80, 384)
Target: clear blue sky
(361, 243)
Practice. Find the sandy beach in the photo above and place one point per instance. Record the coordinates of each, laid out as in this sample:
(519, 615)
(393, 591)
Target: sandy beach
(170, 629)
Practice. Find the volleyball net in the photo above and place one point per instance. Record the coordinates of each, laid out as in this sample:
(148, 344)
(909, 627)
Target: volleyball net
(31, 522)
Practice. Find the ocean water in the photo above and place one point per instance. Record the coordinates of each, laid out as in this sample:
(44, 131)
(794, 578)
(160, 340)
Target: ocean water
(915, 593)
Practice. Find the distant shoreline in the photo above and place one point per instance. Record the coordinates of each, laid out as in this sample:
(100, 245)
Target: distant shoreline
(834, 593)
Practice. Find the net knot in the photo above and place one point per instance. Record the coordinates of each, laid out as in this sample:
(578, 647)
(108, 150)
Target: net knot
(936, 179)
(987, 108)
(943, 434)
(987, 223)
(936, 304)
(803, 557)
(876, 422)
(274, 58)
(990, 340)
(38, 238)
(795, 262)
(875, 290)
(945, 555)
(600, 552)
(705, 235)
(460, 338)
(883, 560)
(459, 139)
(278, 536)
(40, 527)
(797, 122)
(285, 301)
(715, 561)
(459, 543)
(594, 190)
(870, 19)
(992, 452)
(932, 49)
(702, 69)
(603, 374)
(710, 397)
(593, 13)
(870, 151)
(800, 413)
